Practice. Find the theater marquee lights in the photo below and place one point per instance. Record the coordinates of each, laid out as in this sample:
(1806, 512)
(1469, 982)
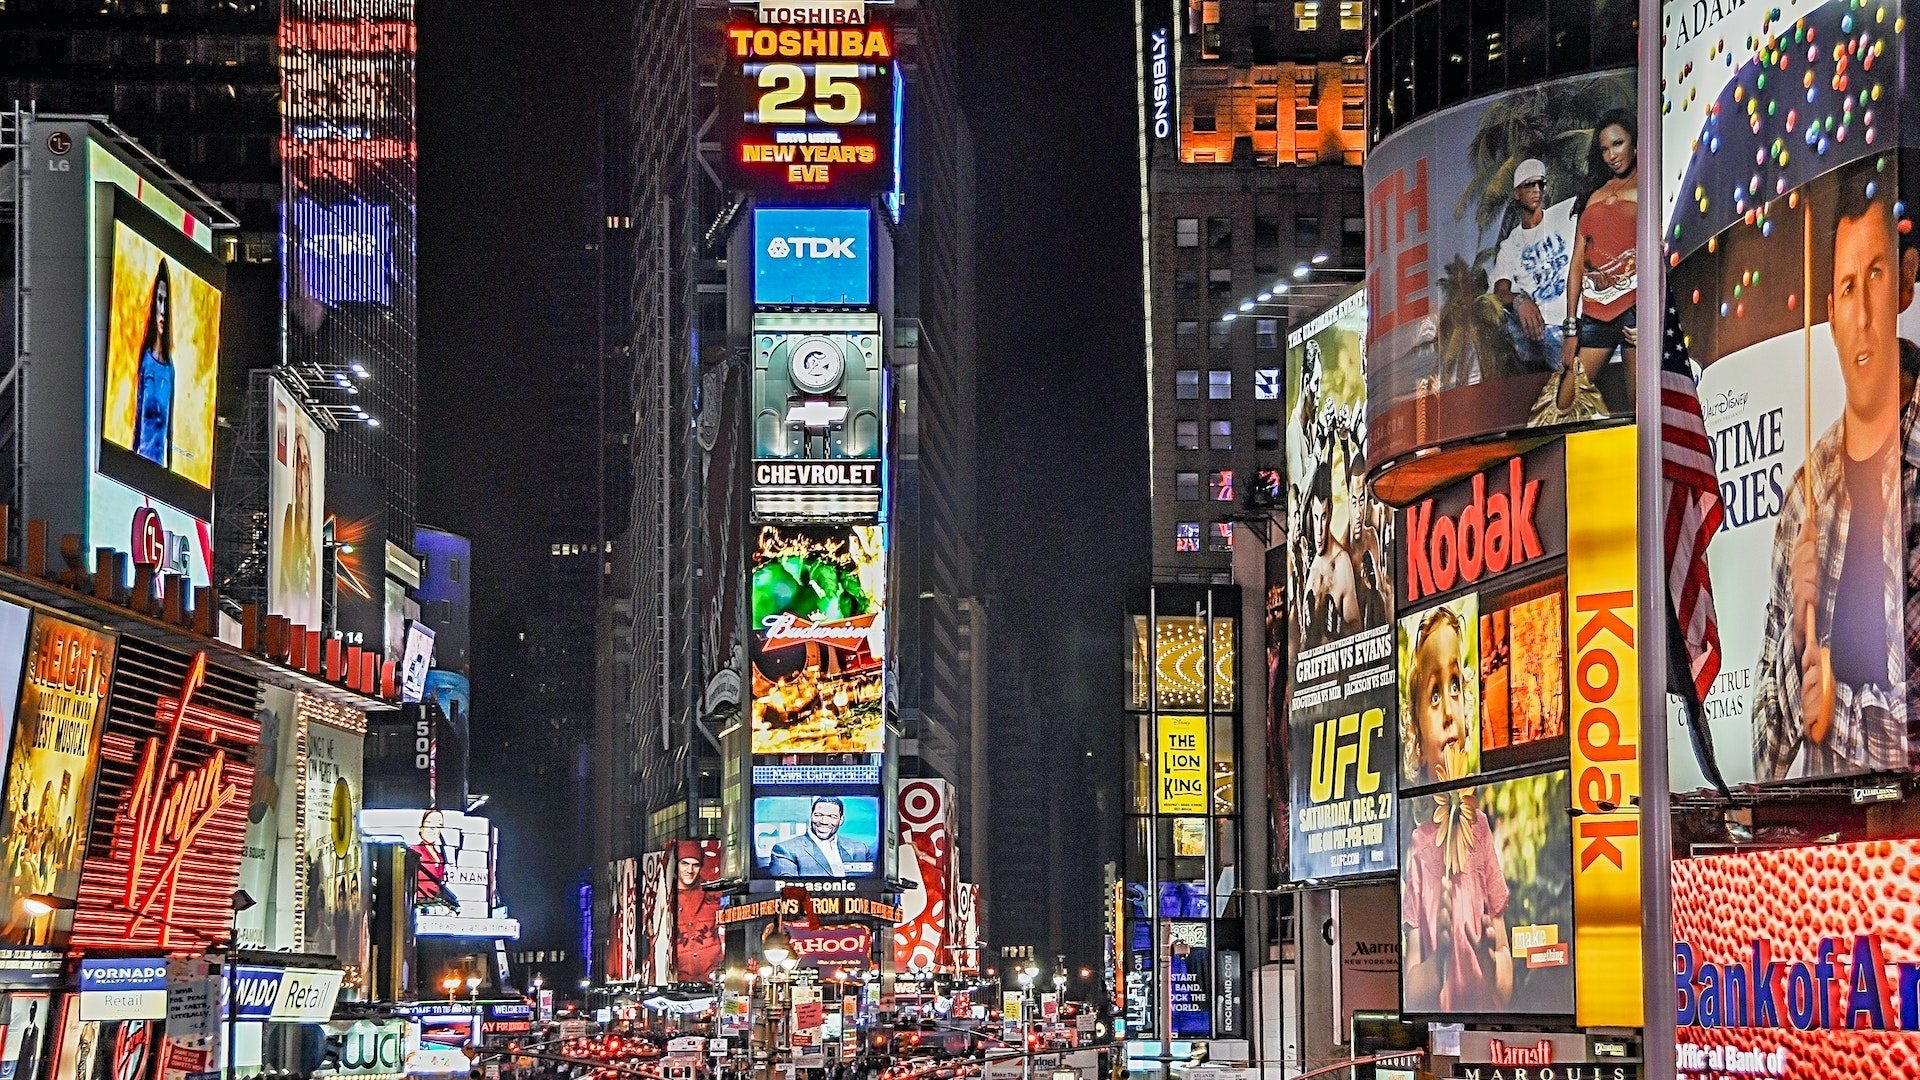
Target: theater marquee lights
(808, 110)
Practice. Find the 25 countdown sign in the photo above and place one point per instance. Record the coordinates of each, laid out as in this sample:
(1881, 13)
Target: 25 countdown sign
(808, 111)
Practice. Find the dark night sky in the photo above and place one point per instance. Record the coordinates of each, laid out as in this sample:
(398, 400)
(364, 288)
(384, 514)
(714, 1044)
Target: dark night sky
(508, 96)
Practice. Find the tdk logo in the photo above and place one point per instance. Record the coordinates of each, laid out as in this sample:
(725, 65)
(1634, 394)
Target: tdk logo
(811, 247)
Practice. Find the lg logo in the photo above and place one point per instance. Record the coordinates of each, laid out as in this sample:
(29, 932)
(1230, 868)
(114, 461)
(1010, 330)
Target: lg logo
(811, 247)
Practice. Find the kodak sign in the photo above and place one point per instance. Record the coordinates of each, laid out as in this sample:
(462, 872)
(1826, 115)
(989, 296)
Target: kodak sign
(1602, 630)
(1507, 517)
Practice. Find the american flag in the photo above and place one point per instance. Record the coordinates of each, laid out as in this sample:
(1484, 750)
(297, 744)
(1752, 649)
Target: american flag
(1693, 508)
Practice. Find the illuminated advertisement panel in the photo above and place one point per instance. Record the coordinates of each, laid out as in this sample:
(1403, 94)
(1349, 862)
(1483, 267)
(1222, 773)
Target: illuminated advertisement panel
(163, 354)
(819, 640)
(622, 921)
(1339, 584)
(356, 510)
(49, 794)
(1486, 899)
(819, 414)
(807, 111)
(454, 890)
(1481, 645)
(1798, 963)
(697, 945)
(296, 517)
(170, 822)
(333, 882)
(1789, 234)
(152, 488)
(928, 835)
(1503, 222)
(833, 837)
(804, 257)
(655, 934)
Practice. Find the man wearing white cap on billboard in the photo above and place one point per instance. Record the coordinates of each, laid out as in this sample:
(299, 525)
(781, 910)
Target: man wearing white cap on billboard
(1530, 269)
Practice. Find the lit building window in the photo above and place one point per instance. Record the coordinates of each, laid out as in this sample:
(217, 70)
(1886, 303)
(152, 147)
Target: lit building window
(1350, 15)
(1186, 486)
(1186, 434)
(1222, 538)
(1220, 435)
(1186, 232)
(1220, 385)
(1186, 536)
(1306, 14)
(1266, 384)
(1221, 485)
(1266, 333)
(1186, 334)
(1186, 385)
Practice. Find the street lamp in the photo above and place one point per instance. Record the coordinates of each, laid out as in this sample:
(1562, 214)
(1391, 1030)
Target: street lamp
(41, 905)
(777, 947)
(451, 984)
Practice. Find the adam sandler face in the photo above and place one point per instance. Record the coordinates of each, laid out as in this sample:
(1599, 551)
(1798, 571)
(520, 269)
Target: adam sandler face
(1862, 309)
(1438, 695)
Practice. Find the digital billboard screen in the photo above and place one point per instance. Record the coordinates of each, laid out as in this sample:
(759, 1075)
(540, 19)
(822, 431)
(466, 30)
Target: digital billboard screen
(833, 837)
(816, 256)
(162, 361)
(807, 112)
(819, 639)
(1339, 575)
(1486, 899)
(335, 903)
(1468, 345)
(819, 415)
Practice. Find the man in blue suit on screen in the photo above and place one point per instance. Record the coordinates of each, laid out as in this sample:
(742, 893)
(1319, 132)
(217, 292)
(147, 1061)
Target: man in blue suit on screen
(820, 852)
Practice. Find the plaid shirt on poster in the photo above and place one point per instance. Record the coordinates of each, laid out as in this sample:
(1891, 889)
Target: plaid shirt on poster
(1869, 732)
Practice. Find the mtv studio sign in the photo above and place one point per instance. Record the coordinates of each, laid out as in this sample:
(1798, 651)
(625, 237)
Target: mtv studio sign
(812, 257)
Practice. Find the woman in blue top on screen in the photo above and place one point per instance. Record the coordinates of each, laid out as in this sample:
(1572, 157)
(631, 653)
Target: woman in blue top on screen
(153, 415)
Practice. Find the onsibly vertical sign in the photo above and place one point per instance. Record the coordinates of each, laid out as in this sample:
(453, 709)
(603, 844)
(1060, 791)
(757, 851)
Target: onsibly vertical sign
(1605, 746)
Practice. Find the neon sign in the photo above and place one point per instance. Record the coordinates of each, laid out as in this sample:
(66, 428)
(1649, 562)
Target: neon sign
(171, 804)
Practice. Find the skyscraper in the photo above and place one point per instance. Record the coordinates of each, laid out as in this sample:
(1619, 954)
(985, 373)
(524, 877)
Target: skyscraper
(675, 698)
(298, 116)
(1253, 118)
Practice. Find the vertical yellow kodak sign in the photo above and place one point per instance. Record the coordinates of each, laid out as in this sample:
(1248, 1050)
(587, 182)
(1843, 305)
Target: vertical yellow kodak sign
(1602, 629)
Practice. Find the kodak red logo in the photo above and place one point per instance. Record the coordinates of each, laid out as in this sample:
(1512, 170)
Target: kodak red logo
(1491, 534)
(1605, 746)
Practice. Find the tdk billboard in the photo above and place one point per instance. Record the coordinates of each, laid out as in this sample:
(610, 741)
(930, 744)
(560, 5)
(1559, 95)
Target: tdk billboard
(809, 257)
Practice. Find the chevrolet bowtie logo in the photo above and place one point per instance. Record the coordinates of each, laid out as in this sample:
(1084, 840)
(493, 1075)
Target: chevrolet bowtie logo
(817, 415)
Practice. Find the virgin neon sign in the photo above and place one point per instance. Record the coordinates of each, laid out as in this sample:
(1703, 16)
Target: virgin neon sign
(169, 813)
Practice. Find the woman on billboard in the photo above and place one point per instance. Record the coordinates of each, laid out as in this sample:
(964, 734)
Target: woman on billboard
(1601, 312)
(298, 573)
(153, 404)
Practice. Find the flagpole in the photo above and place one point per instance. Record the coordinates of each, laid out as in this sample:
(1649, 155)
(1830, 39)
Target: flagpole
(1656, 813)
